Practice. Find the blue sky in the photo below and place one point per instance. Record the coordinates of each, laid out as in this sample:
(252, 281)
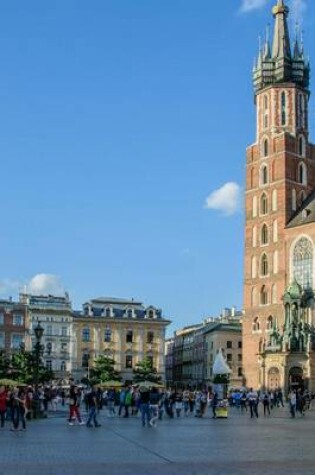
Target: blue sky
(119, 120)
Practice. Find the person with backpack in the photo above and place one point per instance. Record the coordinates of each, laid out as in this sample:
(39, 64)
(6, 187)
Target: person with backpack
(266, 403)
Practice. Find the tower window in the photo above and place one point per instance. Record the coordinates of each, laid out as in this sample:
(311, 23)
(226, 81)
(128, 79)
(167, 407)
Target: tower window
(265, 102)
(301, 146)
(264, 268)
(263, 204)
(269, 322)
(283, 108)
(264, 234)
(302, 174)
(263, 296)
(293, 200)
(274, 200)
(264, 175)
(265, 148)
(256, 325)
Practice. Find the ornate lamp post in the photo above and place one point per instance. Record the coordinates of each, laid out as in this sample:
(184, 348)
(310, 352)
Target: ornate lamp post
(38, 330)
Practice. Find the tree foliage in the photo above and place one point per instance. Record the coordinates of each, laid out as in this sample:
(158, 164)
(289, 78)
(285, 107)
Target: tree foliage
(21, 367)
(103, 370)
(144, 371)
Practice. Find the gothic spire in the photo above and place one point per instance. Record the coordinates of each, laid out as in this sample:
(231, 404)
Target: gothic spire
(281, 41)
(278, 65)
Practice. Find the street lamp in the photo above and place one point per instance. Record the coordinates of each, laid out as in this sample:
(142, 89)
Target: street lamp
(38, 330)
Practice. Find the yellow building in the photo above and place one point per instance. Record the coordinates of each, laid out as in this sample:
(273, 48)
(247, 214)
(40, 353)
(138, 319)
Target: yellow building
(124, 330)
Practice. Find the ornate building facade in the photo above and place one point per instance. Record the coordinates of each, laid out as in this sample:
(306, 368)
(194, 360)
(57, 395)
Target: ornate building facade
(278, 336)
(124, 330)
(55, 316)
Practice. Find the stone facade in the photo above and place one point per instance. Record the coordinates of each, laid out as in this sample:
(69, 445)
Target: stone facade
(124, 330)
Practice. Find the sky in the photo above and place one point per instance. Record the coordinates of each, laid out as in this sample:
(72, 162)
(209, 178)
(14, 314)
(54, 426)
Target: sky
(124, 125)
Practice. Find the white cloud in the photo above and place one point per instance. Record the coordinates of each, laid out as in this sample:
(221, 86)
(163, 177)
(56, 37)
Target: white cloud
(249, 5)
(226, 199)
(45, 284)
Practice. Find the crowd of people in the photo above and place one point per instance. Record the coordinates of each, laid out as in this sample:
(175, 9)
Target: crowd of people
(150, 403)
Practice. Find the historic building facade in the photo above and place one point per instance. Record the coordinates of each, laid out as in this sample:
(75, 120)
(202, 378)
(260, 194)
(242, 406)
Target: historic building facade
(124, 330)
(55, 316)
(191, 352)
(13, 325)
(280, 220)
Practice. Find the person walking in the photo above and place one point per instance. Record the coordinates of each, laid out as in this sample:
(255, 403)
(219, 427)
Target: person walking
(292, 403)
(3, 405)
(252, 397)
(144, 402)
(266, 403)
(214, 404)
(74, 405)
(154, 406)
(93, 406)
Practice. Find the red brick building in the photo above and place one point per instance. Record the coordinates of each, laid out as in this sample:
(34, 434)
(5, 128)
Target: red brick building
(278, 334)
(13, 326)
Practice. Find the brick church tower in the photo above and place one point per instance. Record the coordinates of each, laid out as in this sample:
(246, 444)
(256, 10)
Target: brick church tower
(280, 177)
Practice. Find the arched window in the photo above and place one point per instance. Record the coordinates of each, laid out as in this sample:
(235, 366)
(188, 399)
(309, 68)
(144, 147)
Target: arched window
(264, 175)
(301, 146)
(254, 236)
(283, 109)
(265, 148)
(264, 234)
(263, 204)
(269, 325)
(256, 325)
(263, 296)
(264, 268)
(303, 263)
(254, 206)
(107, 312)
(302, 173)
(293, 199)
(253, 271)
(274, 200)
(254, 297)
(275, 262)
(275, 231)
(129, 313)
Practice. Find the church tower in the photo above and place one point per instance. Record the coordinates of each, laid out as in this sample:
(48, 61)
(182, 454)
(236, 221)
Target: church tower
(280, 176)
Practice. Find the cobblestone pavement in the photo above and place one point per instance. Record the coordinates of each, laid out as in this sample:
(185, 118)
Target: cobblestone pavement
(238, 445)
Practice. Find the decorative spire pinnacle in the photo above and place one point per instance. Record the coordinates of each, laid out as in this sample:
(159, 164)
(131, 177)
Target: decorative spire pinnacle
(281, 41)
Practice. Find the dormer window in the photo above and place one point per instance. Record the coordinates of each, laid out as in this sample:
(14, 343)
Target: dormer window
(108, 312)
(129, 313)
(151, 314)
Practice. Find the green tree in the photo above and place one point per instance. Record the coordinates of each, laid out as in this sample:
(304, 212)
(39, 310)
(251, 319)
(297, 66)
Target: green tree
(23, 364)
(4, 364)
(103, 370)
(144, 371)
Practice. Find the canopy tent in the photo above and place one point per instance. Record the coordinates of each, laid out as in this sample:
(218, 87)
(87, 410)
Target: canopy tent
(220, 366)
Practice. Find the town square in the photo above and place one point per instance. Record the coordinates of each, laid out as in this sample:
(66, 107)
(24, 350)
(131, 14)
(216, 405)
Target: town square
(142, 331)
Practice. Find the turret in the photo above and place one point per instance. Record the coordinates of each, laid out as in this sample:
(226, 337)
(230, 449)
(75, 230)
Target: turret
(278, 65)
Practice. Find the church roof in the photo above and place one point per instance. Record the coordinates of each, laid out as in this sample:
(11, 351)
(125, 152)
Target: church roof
(305, 214)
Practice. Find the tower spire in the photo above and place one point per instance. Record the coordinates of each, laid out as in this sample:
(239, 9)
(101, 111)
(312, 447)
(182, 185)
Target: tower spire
(281, 41)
